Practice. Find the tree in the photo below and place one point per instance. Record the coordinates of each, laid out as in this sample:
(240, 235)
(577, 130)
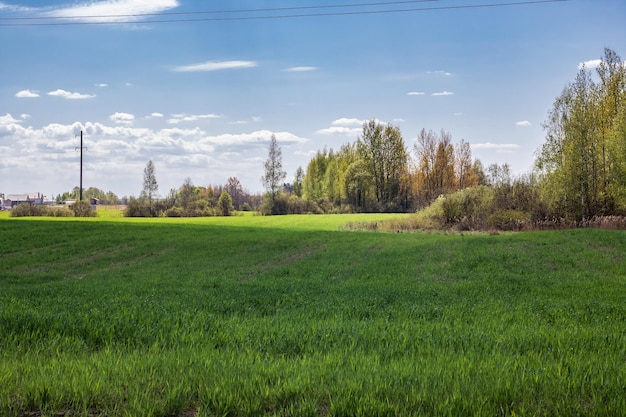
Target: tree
(463, 166)
(578, 163)
(274, 174)
(383, 151)
(436, 164)
(298, 181)
(150, 185)
(225, 204)
(234, 188)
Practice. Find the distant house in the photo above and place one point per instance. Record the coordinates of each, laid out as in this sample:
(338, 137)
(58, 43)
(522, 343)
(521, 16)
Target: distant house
(14, 200)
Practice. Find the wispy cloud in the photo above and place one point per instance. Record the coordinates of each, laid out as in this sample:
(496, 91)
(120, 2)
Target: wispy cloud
(14, 8)
(156, 115)
(523, 123)
(69, 95)
(440, 72)
(415, 93)
(300, 69)
(27, 94)
(215, 66)
(102, 85)
(112, 10)
(443, 93)
(122, 118)
(178, 118)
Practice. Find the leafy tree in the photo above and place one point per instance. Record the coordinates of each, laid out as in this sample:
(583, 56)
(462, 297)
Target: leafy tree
(578, 164)
(383, 151)
(150, 185)
(357, 185)
(313, 184)
(225, 204)
(274, 174)
(297, 182)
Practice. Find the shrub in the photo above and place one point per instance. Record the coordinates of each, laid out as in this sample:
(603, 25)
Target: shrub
(174, 212)
(513, 220)
(31, 210)
(137, 208)
(27, 210)
(83, 209)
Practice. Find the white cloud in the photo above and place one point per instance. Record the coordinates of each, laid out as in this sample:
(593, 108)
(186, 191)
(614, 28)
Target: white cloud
(8, 120)
(443, 93)
(27, 94)
(156, 115)
(260, 136)
(591, 64)
(399, 120)
(178, 118)
(495, 146)
(257, 119)
(25, 116)
(112, 10)
(69, 95)
(523, 123)
(101, 85)
(14, 8)
(122, 118)
(239, 122)
(300, 69)
(215, 66)
(415, 93)
(344, 121)
(441, 72)
(340, 130)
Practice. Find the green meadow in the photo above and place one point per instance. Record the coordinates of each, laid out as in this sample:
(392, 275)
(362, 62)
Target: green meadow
(298, 316)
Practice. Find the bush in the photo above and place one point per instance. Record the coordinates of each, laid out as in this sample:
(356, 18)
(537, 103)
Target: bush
(513, 220)
(31, 210)
(83, 209)
(174, 212)
(28, 210)
(137, 208)
(468, 209)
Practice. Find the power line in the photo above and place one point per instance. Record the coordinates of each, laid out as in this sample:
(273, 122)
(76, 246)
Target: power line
(284, 16)
(273, 9)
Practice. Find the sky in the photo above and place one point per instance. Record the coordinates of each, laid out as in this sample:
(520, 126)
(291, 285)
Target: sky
(199, 87)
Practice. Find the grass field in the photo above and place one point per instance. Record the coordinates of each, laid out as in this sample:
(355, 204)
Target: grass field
(294, 316)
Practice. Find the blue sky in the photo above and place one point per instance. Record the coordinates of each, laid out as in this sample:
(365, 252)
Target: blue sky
(201, 98)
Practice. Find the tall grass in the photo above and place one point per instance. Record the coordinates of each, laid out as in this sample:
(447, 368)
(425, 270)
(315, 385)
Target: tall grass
(291, 315)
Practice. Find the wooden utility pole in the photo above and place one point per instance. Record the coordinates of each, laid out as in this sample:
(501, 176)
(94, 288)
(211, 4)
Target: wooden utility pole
(80, 198)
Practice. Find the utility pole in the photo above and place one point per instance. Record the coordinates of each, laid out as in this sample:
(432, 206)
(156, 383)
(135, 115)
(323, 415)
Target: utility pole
(80, 198)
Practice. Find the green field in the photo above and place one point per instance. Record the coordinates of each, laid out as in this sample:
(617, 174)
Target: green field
(295, 316)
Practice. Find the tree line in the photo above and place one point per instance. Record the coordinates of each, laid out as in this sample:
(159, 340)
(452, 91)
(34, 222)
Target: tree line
(580, 170)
